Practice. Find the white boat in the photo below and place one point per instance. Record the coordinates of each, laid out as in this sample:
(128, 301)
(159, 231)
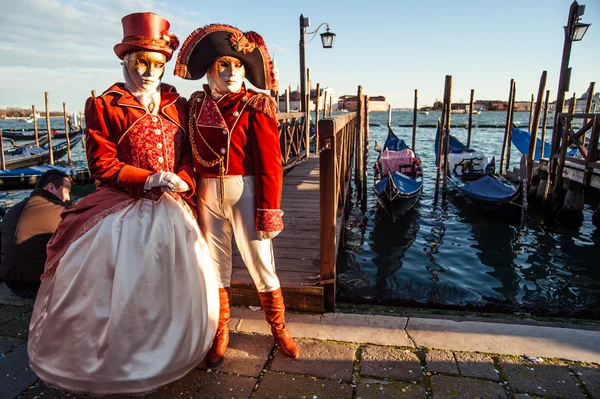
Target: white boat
(424, 112)
(30, 119)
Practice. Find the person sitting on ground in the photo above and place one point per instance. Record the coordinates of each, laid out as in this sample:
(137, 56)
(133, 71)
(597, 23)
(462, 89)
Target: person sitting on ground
(26, 229)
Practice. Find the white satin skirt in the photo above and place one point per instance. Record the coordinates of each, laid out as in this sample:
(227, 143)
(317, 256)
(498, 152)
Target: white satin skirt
(133, 304)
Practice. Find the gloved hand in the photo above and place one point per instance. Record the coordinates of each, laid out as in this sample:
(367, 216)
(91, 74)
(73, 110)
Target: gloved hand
(167, 181)
(267, 235)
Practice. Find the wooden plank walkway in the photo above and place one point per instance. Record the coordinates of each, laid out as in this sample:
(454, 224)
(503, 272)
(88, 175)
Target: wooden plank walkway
(296, 248)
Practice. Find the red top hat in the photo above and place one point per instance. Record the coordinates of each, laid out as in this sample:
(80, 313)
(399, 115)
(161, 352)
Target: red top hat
(146, 31)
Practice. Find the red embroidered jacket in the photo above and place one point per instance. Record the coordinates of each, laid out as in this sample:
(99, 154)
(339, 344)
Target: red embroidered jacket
(120, 151)
(240, 130)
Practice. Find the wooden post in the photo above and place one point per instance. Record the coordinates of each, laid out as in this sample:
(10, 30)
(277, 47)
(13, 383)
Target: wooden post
(512, 115)
(67, 134)
(508, 126)
(557, 185)
(544, 122)
(447, 137)
(317, 104)
(389, 116)
(531, 114)
(2, 160)
(325, 104)
(81, 127)
(414, 129)
(441, 127)
(365, 153)
(542, 190)
(358, 157)
(50, 152)
(35, 126)
(328, 207)
(534, 127)
(588, 107)
(470, 118)
(330, 106)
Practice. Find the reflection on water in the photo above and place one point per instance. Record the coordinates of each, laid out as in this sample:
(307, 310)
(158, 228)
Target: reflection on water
(453, 255)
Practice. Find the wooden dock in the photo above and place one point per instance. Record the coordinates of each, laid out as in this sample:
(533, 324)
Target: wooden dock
(296, 249)
(314, 201)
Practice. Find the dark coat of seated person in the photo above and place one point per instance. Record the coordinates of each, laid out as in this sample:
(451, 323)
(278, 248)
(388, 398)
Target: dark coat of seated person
(26, 229)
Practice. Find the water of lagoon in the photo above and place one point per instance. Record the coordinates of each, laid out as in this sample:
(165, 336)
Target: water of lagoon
(451, 255)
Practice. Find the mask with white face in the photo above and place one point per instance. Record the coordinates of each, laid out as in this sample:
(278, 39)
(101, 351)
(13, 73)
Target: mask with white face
(226, 75)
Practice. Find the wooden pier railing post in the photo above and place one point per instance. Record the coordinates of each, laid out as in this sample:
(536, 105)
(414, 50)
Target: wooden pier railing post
(531, 113)
(414, 128)
(358, 156)
(328, 208)
(470, 126)
(588, 106)
(534, 128)
(558, 180)
(512, 116)
(542, 190)
(50, 152)
(317, 105)
(35, 126)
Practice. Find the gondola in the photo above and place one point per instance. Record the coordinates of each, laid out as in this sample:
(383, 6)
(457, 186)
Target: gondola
(26, 178)
(16, 148)
(22, 135)
(32, 156)
(473, 175)
(398, 181)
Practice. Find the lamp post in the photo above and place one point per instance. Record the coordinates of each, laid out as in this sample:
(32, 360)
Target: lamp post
(327, 40)
(574, 32)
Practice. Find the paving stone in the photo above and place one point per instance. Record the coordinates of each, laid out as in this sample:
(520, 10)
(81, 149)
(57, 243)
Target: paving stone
(543, 379)
(319, 359)
(246, 354)
(15, 374)
(590, 377)
(458, 387)
(8, 298)
(386, 362)
(441, 362)
(8, 313)
(278, 385)
(200, 384)
(371, 389)
(8, 343)
(17, 327)
(476, 365)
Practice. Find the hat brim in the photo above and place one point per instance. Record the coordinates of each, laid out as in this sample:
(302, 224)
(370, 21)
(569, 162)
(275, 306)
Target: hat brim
(123, 48)
(207, 44)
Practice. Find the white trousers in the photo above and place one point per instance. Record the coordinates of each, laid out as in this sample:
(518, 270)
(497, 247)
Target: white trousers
(236, 219)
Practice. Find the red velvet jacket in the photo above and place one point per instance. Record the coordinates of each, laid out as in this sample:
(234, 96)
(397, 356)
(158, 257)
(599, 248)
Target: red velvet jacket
(240, 130)
(110, 117)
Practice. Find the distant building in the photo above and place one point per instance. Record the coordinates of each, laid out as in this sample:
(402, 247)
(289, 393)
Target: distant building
(580, 103)
(376, 103)
(326, 94)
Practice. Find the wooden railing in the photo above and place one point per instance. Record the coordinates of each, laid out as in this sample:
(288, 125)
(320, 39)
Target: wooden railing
(590, 156)
(337, 136)
(294, 138)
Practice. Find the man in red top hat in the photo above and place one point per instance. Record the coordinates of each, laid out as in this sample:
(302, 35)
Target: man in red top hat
(129, 297)
(235, 143)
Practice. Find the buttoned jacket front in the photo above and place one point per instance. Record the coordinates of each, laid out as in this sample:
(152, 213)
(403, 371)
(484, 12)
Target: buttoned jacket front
(116, 113)
(240, 130)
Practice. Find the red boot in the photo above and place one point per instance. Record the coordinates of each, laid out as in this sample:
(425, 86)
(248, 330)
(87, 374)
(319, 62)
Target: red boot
(215, 354)
(274, 308)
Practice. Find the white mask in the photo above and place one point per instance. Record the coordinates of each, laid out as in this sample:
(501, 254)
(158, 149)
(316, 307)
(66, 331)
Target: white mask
(225, 76)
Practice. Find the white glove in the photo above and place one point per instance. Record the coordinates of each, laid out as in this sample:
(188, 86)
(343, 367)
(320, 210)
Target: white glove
(267, 235)
(167, 181)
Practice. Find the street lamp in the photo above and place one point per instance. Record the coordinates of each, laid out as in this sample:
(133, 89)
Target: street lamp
(574, 32)
(327, 40)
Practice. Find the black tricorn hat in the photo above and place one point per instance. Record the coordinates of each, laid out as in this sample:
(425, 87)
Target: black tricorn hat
(206, 44)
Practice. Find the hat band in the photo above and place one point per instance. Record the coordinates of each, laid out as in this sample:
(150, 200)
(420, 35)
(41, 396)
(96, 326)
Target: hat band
(151, 43)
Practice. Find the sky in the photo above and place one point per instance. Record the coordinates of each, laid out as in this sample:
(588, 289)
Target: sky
(389, 47)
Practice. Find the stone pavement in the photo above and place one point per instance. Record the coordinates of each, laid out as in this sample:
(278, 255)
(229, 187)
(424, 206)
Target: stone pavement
(348, 355)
